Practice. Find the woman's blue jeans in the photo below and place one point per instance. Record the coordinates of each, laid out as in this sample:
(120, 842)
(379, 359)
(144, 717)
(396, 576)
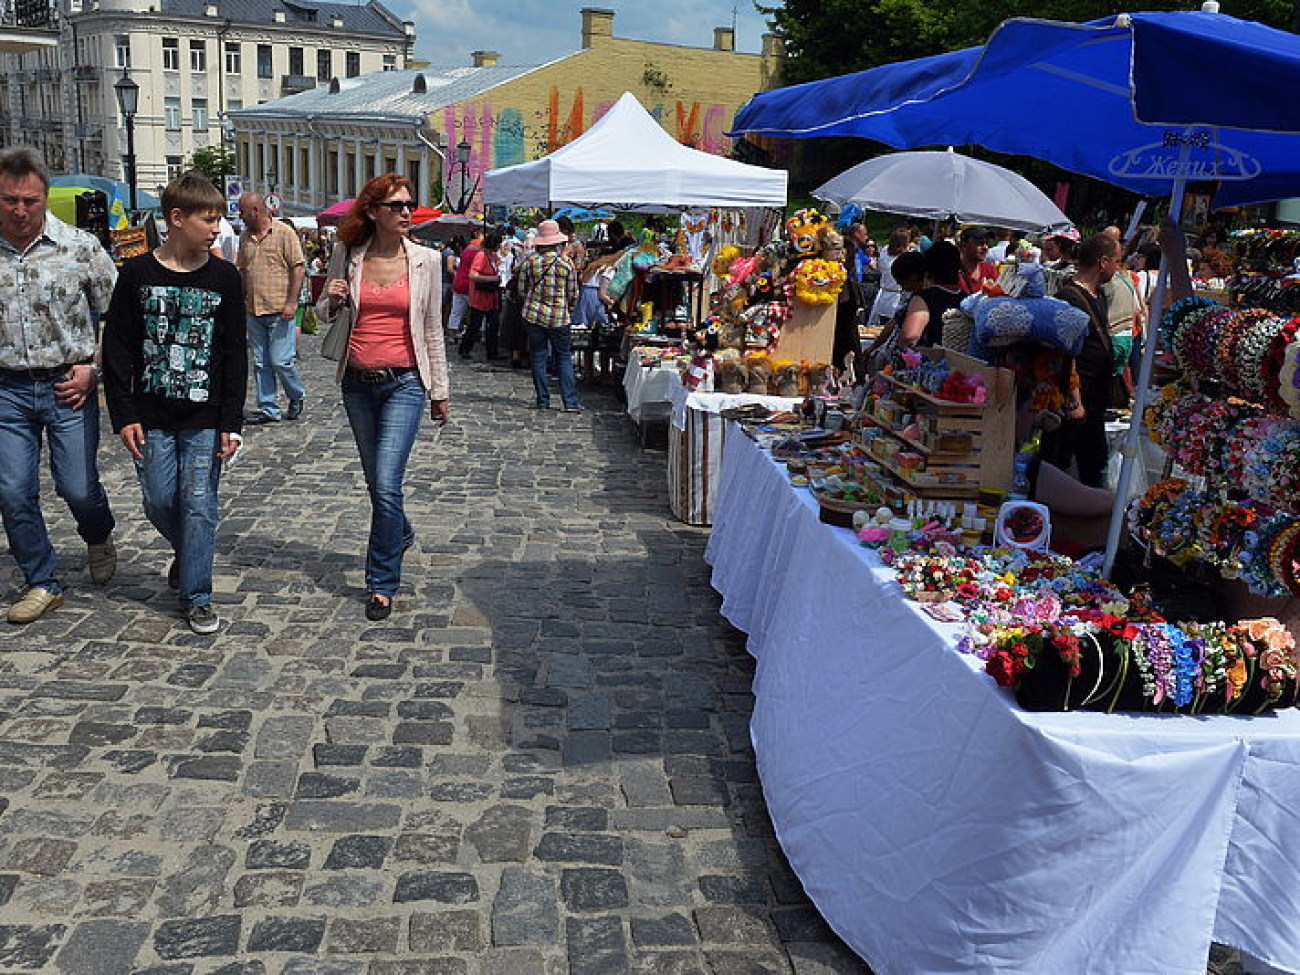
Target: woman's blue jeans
(542, 344)
(385, 418)
(179, 476)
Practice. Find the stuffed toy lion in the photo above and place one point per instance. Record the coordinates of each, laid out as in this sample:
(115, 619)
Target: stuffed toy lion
(759, 369)
(730, 375)
(790, 378)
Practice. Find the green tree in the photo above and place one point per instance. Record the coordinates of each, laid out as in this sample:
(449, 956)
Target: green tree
(214, 162)
(825, 38)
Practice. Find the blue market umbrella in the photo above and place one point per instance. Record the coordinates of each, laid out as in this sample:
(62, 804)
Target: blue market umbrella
(1108, 99)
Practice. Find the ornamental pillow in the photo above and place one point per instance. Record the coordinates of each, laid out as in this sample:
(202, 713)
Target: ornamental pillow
(1047, 321)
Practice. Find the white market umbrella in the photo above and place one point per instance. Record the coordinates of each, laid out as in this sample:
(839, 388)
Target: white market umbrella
(944, 186)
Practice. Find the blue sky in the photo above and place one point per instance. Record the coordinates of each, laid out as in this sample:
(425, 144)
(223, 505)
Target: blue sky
(535, 31)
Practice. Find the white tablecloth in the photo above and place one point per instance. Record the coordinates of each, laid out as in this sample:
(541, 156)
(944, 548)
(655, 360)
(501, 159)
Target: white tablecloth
(648, 384)
(939, 829)
(695, 447)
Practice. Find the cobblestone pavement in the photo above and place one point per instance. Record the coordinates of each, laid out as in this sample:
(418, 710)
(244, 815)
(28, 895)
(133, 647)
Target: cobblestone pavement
(538, 765)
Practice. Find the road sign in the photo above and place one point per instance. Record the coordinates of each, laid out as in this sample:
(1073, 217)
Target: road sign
(232, 208)
(235, 187)
(273, 203)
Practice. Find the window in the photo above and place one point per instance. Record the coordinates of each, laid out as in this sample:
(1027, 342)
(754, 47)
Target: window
(390, 62)
(234, 61)
(172, 114)
(171, 54)
(354, 63)
(122, 50)
(264, 61)
(199, 55)
(175, 166)
(199, 110)
(295, 61)
(324, 65)
(234, 104)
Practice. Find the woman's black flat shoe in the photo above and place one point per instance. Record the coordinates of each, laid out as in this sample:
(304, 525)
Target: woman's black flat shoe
(377, 609)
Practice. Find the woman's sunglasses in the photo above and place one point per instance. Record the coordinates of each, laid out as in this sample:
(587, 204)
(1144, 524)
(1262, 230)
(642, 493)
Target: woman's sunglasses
(397, 206)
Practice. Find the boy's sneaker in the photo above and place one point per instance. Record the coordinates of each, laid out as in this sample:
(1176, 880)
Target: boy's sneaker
(202, 620)
(295, 409)
(174, 574)
(101, 560)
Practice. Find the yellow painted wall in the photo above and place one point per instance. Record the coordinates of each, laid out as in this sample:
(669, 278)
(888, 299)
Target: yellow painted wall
(693, 92)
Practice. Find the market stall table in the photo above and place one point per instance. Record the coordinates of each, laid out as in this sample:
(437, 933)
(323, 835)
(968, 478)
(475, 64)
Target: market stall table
(939, 828)
(648, 385)
(695, 446)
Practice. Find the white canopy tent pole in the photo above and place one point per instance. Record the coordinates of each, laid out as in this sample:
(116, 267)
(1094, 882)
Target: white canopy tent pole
(1132, 448)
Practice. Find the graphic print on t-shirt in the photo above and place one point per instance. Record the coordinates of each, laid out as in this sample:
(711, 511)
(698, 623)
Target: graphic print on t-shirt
(178, 326)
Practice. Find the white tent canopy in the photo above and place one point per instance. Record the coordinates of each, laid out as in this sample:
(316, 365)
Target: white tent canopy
(626, 161)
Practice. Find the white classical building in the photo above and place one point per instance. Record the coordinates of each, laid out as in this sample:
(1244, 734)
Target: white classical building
(321, 146)
(195, 61)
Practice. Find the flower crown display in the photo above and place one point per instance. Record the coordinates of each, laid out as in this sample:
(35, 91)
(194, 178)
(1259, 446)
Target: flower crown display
(1065, 639)
(1234, 444)
(1246, 351)
(1101, 662)
(1247, 540)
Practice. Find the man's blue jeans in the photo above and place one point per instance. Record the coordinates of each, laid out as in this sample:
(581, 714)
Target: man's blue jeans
(28, 407)
(179, 477)
(385, 419)
(542, 344)
(274, 343)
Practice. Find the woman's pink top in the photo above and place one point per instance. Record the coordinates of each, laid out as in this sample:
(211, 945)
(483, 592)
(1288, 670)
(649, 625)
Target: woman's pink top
(381, 335)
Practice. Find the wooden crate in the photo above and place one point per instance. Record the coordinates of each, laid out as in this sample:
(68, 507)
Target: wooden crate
(990, 461)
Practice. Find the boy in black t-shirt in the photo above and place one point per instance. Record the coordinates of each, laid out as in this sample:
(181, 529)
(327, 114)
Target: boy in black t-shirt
(175, 371)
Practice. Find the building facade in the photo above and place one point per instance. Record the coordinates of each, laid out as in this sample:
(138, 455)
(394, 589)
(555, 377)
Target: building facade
(195, 61)
(333, 139)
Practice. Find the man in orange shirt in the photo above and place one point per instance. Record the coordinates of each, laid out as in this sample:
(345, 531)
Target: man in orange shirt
(973, 243)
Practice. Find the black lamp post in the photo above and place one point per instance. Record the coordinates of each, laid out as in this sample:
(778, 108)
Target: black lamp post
(463, 149)
(128, 100)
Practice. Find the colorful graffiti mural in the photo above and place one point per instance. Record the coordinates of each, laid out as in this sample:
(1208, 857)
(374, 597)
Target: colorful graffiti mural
(505, 138)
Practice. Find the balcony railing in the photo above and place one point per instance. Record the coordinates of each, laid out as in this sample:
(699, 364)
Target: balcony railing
(291, 84)
(46, 75)
(88, 131)
(85, 72)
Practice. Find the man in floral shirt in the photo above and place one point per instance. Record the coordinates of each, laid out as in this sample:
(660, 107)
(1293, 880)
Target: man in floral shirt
(51, 277)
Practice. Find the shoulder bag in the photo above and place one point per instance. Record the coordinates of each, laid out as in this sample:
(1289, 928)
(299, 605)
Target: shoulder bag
(335, 344)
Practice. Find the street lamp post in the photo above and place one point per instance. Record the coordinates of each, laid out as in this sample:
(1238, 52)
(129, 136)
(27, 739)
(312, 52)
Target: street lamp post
(128, 100)
(463, 149)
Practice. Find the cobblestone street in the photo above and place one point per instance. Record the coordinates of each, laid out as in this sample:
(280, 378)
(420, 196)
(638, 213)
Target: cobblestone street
(539, 765)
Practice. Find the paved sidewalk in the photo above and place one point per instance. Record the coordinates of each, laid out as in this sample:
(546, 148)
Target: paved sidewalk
(538, 765)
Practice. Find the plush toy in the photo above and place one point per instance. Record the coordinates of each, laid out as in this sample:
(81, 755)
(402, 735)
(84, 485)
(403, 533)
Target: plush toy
(730, 375)
(803, 231)
(830, 244)
(722, 260)
(789, 378)
(818, 281)
(759, 370)
(822, 381)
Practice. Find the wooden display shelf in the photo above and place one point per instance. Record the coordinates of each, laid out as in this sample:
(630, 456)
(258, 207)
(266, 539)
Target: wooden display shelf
(991, 424)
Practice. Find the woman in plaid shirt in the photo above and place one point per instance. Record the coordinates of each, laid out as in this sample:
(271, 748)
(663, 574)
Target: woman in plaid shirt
(548, 282)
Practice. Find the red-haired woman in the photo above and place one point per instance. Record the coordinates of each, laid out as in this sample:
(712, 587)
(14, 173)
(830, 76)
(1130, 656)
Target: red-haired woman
(395, 363)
